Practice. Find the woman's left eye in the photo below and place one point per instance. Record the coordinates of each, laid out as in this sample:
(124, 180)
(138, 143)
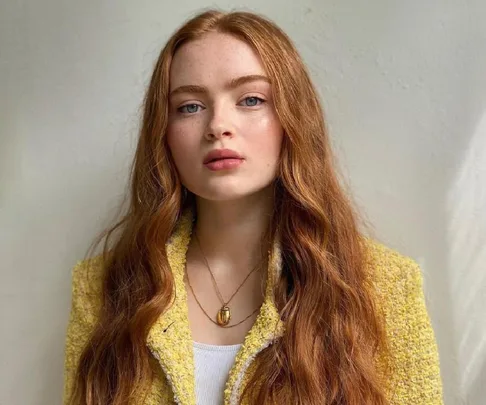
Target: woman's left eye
(252, 101)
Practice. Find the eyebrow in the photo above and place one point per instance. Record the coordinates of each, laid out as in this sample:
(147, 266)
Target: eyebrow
(232, 84)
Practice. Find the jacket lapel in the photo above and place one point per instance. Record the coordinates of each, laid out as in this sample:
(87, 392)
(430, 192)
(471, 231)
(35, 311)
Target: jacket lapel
(170, 338)
(267, 328)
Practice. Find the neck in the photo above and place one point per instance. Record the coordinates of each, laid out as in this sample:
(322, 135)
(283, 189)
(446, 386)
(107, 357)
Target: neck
(230, 232)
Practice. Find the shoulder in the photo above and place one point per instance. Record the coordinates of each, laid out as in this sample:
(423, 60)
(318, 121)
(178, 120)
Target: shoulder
(380, 256)
(87, 283)
(87, 275)
(393, 274)
(397, 284)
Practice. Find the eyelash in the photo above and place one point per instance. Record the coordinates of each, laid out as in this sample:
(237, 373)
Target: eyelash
(179, 109)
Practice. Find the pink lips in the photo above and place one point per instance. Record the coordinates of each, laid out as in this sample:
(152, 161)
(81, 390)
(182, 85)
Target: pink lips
(221, 154)
(222, 164)
(221, 159)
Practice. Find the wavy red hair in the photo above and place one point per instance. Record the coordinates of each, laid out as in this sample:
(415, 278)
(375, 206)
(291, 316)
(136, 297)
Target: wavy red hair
(333, 330)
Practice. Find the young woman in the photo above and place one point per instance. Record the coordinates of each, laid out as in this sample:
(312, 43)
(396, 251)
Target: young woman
(239, 273)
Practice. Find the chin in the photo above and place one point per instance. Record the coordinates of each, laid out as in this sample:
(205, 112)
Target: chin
(231, 194)
(223, 195)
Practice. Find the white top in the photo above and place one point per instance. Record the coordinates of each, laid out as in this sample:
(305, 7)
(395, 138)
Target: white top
(212, 366)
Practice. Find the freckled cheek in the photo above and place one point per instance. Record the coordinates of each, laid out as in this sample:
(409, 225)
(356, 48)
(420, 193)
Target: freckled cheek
(182, 140)
(267, 134)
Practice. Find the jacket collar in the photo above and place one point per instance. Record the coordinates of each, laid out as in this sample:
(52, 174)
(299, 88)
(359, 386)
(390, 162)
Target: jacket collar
(170, 339)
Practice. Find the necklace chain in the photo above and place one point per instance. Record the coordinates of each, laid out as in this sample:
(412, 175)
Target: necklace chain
(209, 317)
(214, 280)
(224, 307)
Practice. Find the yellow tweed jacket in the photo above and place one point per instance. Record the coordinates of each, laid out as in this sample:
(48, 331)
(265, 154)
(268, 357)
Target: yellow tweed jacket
(416, 377)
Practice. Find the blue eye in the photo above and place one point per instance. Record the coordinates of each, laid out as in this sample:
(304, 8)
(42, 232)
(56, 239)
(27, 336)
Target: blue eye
(252, 101)
(189, 108)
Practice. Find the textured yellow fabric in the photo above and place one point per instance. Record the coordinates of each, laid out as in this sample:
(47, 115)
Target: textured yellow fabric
(397, 282)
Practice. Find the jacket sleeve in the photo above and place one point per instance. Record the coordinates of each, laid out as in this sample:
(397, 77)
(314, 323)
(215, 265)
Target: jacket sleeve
(85, 300)
(415, 359)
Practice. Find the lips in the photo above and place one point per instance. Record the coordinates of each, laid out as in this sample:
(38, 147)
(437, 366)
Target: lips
(224, 164)
(219, 154)
(218, 159)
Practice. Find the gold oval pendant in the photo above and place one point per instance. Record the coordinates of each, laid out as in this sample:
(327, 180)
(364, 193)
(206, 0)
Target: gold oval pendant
(224, 316)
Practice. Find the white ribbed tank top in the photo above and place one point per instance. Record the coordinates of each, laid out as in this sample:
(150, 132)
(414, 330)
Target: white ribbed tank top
(212, 366)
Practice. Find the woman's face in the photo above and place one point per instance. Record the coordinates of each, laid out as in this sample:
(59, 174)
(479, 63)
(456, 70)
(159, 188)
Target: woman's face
(220, 98)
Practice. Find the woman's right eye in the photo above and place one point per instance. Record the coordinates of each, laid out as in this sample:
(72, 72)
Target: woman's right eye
(188, 108)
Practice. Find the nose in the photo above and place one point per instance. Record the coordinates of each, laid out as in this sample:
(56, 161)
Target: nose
(219, 124)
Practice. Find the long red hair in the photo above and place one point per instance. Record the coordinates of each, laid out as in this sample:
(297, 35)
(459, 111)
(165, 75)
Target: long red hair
(333, 330)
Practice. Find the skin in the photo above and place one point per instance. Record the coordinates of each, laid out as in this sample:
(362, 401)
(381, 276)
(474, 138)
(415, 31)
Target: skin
(233, 206)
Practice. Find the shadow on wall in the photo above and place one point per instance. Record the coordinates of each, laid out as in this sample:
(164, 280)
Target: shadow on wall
(466, 237)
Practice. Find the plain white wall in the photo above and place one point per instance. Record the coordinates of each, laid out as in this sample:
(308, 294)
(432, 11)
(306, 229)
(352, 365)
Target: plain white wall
(404, 89)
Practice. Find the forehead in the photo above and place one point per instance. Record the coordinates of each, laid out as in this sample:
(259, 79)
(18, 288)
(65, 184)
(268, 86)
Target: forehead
(213, 60)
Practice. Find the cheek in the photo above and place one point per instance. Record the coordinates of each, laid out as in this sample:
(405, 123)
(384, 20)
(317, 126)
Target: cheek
(180, 140)
(267, 136)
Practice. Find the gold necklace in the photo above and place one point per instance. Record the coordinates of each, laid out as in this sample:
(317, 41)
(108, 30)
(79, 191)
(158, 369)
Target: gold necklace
(224, 314)
(205, 313)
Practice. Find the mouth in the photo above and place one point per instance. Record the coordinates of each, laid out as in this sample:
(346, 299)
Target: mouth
(219, 159)
(221, 154)
(223, 163)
